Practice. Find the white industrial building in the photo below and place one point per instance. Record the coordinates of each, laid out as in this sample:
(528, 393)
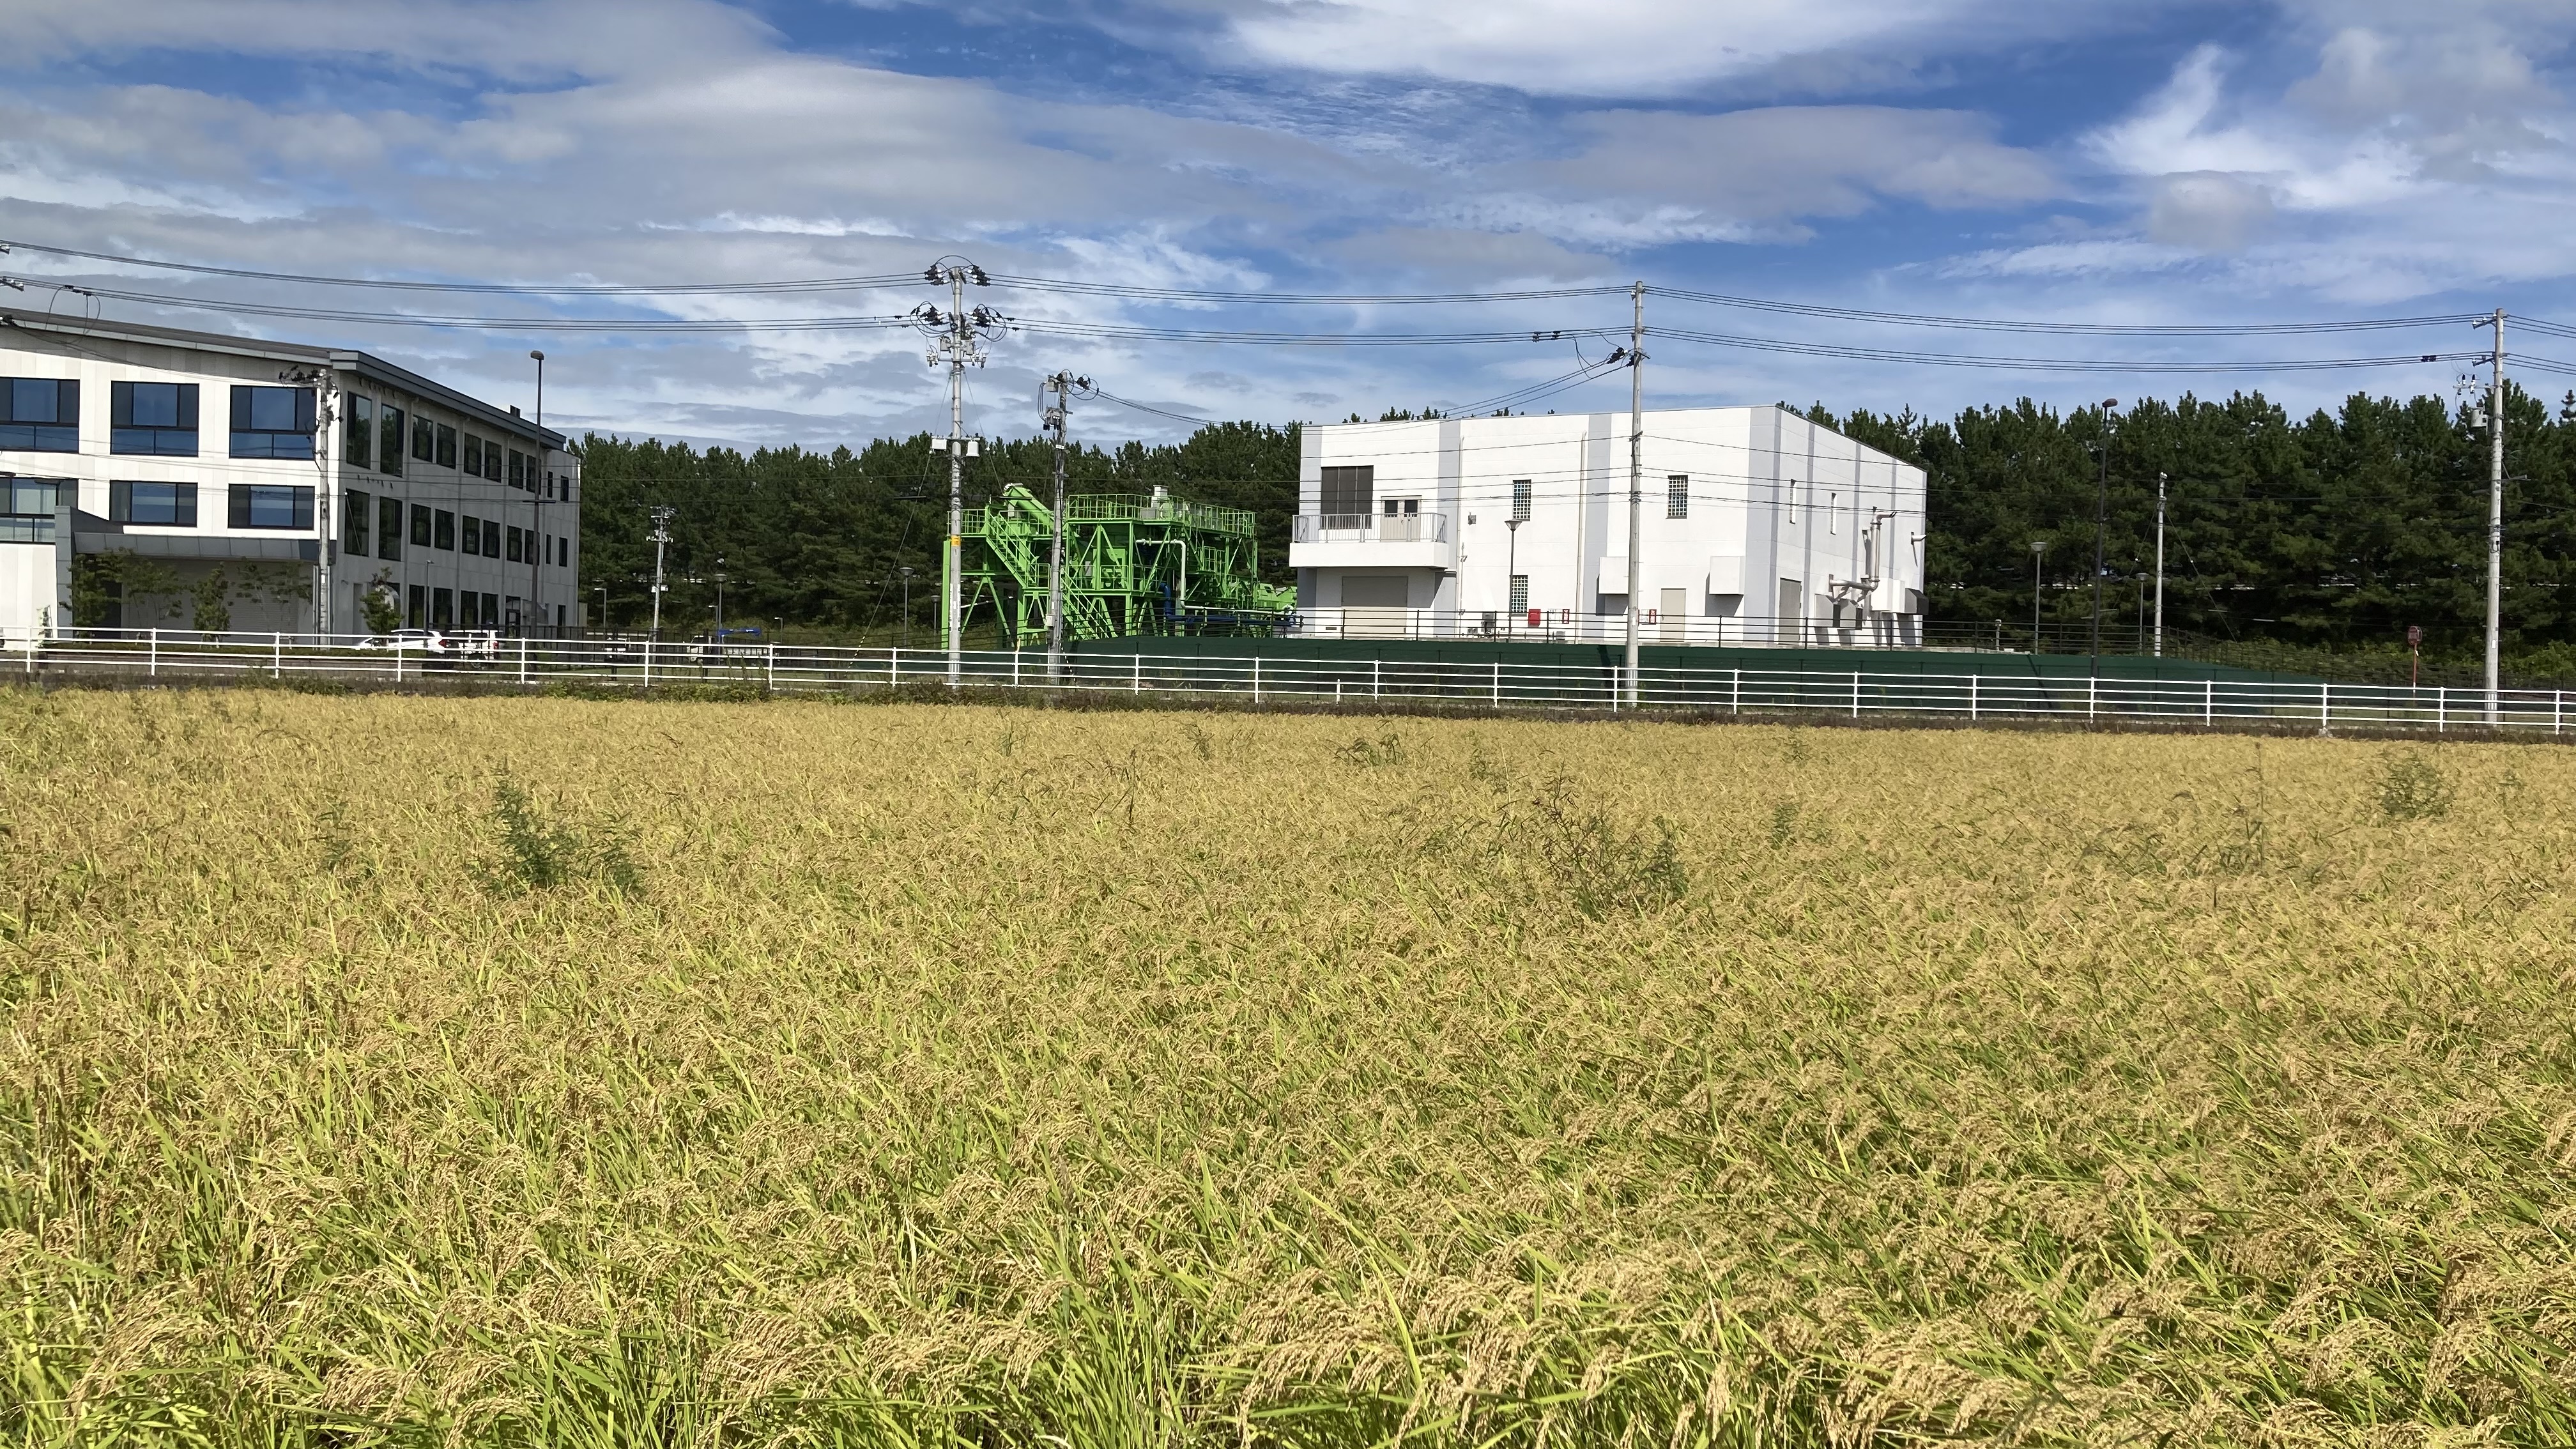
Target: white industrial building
(174, 479)
(1759, 527)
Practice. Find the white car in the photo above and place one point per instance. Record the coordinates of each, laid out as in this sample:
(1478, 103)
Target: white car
(407, 641)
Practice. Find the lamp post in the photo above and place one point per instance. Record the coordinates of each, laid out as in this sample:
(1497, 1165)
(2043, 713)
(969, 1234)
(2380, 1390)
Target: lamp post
(2038, 551)
(1511, 571)
(906, 625)
(2160, 565)
(602, 591)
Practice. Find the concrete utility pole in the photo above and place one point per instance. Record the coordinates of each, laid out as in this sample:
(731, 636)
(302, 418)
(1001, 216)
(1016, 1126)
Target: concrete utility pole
(2160, 565)
(2495, 515)
(1636, 468)
(1054, 418)
(661, 536)
(536, 549)
(2038, 555)
(2101, 530)
(954, 345)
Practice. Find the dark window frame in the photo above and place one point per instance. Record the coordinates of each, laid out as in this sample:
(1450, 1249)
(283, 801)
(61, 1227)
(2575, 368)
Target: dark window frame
(46, 434)
(391, 430)
(246, 501)
(446, 446)
(357, 529)
(358, 432)
(251, 439)
(174, 439)
(181, 509)
(389, 527)
(1348, 491)
(446, 531)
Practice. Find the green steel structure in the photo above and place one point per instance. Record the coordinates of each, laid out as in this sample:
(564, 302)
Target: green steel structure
(1132, 565)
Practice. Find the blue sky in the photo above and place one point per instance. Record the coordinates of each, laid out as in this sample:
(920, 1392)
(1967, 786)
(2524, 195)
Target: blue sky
(2159, 161)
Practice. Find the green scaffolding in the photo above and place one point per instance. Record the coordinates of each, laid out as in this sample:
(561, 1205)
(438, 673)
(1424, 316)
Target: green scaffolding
(1132, 565)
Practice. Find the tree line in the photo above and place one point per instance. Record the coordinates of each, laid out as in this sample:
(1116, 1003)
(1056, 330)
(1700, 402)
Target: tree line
(2337, 530)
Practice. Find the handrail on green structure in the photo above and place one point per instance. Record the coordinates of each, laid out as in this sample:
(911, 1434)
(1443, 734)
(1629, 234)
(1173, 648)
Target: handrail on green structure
(1133, 565)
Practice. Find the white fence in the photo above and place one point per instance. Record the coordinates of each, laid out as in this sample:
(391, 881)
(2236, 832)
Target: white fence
(1551, 684)
(1855, 629)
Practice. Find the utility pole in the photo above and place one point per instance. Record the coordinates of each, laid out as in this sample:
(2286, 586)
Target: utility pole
(720, 601)
(2101, 530)
(537, 512)
(2160, 566)
(1636, 468)
(1054, 418)
(2495, 515)
(2038, 553)
(661, 536)
(954, 345)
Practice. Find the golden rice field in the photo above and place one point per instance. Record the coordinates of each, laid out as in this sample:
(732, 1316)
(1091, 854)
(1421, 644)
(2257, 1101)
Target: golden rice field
(562, 1072)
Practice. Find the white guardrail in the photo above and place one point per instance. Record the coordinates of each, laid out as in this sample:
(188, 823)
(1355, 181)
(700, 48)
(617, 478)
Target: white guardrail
(1551, 684)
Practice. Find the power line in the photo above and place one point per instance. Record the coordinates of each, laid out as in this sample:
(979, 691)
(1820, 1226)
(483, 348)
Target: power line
(2097, 329)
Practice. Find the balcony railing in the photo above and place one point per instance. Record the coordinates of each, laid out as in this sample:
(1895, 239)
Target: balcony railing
(1365, 527)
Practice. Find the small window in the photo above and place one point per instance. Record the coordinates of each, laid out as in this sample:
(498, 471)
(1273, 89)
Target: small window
(1520, 596)
(473, 456)
(442, 608)
(447, 530)
(491, 612)
(1677, 496)
(358, 436)
(424, 440)
(416, 606)
(272, 422)
(152, 419)
(1520, 501)
(492, 462)
(1348, 493)
(29, 505)
(473, 534)
(165, 505)
(358, 514)
(389, 527)
(419, 526)
(446, 446)
(40, 414)
(271, 505)
(389, 440)
(491, 538)
(515, 547)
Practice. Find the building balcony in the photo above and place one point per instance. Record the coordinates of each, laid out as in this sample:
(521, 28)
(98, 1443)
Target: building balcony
(1371, 541)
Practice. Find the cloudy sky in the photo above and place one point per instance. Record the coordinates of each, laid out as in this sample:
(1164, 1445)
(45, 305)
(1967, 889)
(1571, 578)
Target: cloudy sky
(2159, 161)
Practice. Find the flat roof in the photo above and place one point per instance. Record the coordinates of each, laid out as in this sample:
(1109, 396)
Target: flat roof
(359, 364)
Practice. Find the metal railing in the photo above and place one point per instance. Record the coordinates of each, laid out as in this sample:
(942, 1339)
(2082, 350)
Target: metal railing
(1554, 684)
(1369, 527)
(1855, 630)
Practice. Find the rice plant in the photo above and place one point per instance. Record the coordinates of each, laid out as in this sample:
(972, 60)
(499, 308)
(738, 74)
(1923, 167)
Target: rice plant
(949, 1075)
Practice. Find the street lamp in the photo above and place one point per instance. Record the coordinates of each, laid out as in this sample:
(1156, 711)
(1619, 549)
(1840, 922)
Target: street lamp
(906, 626)
(602, 591)
(1511, 571)
(2038, 551)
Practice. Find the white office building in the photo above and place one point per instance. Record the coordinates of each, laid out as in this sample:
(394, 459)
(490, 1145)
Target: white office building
(1759, 527)
(157, 478)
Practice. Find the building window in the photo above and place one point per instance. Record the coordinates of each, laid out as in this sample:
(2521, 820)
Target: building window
(389, 440)
(491, 612)
(492, 463)
(515, 548)
(473, 456)
(1520, 595)
(442, 608)
(473, 534)
(491, 538)
(30, 503)
(272, 422)
(424, 440)
(353, 505)
(166, 505)
(447, 530)
(446, 446)
(563, 553)
(1350, 494)
(389, 527)
(1677, 496)
(1520, 498)
(419, 526)
(40, 414)
(271, 505)
(358, 436)
(416, 606)
(518, 469)
(154, 419)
